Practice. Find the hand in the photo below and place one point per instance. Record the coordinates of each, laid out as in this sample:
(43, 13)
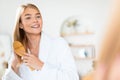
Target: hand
(32, 61)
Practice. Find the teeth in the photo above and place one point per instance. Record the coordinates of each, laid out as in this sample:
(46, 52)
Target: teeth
(35, 26)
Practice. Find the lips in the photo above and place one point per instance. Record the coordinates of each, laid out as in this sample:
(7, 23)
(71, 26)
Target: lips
(35, 26)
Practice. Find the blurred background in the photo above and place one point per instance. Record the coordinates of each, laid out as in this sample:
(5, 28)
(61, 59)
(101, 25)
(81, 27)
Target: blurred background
(80, 22)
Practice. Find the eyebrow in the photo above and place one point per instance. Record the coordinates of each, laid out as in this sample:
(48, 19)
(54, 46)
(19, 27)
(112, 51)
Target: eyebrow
(37, 13)
(30, 14)
(27, 14)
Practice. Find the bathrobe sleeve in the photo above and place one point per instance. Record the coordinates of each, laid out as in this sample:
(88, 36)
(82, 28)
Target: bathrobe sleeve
(9, 73)
(65, 69)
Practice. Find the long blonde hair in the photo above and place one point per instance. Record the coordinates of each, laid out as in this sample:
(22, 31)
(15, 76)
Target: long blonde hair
(19, 34)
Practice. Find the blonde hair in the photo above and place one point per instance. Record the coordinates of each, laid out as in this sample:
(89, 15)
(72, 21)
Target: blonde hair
(19, 34)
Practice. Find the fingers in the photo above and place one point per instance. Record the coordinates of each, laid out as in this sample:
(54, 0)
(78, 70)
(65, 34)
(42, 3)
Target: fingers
(27, 59)
(32, 61)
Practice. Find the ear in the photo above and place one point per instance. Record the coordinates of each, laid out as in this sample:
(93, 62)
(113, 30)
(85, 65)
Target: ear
(21, 26)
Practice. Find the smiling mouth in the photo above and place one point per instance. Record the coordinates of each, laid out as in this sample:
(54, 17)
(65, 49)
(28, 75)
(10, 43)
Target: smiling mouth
(35, 26)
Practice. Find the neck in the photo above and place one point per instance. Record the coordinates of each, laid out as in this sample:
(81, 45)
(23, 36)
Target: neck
(33, 41)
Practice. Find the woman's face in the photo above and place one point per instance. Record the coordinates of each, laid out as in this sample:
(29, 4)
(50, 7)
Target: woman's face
(31, 21)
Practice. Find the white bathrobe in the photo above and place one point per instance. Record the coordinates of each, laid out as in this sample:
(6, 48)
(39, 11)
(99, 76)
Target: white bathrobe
(58, 63)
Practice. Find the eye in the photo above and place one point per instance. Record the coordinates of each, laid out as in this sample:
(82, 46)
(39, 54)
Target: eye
(38, 16)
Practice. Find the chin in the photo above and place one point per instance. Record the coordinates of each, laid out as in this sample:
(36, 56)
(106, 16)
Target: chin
(35, 33)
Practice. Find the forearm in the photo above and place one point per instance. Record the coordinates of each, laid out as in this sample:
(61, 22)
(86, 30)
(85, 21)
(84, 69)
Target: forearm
(15, 68)
(10, 75)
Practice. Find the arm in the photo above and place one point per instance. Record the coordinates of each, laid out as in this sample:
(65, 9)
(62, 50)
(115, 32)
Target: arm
(10, 74)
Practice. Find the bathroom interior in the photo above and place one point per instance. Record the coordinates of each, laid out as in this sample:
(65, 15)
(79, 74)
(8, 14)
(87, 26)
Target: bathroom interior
(82, 23)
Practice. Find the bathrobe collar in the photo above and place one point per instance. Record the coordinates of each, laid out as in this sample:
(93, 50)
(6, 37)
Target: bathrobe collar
(44, 47)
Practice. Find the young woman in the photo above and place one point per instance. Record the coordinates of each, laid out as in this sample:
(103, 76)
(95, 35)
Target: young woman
(50, 57)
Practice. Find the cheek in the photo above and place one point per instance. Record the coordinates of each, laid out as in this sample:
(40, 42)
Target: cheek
(26, 24)
(26, 27)
(41, 22)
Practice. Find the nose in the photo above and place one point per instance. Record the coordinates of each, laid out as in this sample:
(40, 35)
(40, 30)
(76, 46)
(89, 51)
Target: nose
(35, 19)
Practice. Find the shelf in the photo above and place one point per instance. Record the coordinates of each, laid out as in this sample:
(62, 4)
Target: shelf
(77, 34)
(83, 51)
(78, 58)
(78, 45)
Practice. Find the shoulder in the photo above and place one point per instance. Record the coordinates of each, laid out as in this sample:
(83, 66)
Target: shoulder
(60, 41)
(57, 40)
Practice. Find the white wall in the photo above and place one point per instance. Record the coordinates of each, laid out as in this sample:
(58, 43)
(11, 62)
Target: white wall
(54, 12)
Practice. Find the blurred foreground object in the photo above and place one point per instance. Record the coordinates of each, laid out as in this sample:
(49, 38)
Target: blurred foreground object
(107, 66)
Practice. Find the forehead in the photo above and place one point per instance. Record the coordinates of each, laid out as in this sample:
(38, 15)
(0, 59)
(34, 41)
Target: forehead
(30, 11)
